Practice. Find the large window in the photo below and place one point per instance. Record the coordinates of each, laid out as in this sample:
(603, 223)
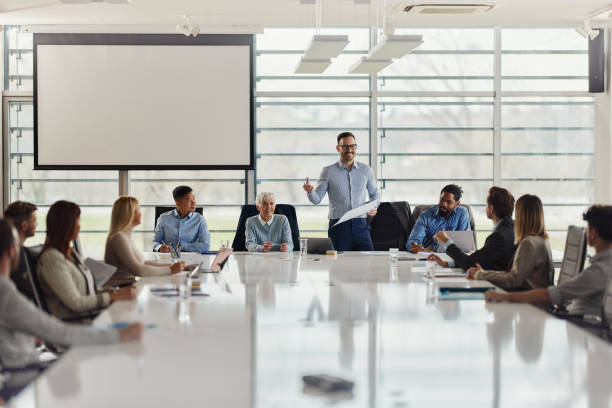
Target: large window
(435, 124)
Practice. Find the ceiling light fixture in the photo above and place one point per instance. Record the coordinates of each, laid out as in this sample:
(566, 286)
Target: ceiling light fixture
(186, 28)
(585, 30)
(390, 47)
(364, 65)
(326, 46)
(312, 66)
(395, 46)
(321, 49)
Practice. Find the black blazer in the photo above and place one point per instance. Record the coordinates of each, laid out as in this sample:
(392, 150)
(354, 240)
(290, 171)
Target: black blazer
(496, 253)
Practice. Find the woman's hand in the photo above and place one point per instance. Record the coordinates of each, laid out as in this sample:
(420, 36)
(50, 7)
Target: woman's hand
(133, 332)
(177, 267)
(126, 293)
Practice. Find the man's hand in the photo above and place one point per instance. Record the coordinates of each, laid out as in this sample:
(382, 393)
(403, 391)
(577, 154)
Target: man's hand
(284, 247)
(494, 296)
(165, 248)
(372, 212)
(416, 247)
(471, 273)
(267, 246)
(441, 236)
(307, 186)
(436, 258)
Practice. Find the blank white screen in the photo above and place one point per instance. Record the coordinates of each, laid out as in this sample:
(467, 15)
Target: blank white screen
(143, 105)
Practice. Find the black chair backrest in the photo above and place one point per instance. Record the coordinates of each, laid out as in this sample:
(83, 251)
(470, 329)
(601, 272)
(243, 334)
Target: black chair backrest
(420, 208)
(391, 225)
(160, 209)
(249, 210)
(31, 257)
(574, 254)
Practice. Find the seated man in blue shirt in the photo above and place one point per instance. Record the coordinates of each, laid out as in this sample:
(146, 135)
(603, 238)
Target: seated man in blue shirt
(268, 231)
(446, 216)
(182, 225)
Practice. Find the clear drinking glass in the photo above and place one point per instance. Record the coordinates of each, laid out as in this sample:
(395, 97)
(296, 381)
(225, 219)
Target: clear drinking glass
(303, 246)
(184, 287)
(394, 256)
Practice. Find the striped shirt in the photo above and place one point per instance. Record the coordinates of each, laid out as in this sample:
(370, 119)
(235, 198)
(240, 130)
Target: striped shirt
(276, 230)
(346, 189)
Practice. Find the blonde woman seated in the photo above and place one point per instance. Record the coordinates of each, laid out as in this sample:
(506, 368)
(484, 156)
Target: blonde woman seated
(67, 284)
(532, 266)
(268, 231)
(120, 250)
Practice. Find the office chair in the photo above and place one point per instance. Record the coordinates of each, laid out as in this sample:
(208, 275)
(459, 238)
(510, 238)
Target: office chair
(391, 226)
(420, 208)
(159, 210)
(250, 210)
(573, 260)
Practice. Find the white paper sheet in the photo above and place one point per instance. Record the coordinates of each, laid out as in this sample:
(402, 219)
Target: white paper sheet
(102, 272)
(357, 212)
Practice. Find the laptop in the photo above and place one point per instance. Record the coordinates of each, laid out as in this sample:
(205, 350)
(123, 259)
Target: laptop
(319, 245)
(216, 266)
(463, 239)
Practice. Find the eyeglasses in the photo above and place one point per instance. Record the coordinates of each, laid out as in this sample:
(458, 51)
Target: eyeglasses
(346, 148)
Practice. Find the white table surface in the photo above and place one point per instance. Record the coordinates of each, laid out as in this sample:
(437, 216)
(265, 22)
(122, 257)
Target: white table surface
(272, 318)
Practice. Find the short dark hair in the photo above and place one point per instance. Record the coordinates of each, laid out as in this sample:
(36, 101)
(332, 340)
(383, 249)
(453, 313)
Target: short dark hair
(7, 239)
(343, 135)
(454, 189)
(19, 211)
(502, 201)
(180, 192)
(599, 218)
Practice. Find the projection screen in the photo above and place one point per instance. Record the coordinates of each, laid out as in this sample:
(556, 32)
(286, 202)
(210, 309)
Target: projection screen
(121, 101)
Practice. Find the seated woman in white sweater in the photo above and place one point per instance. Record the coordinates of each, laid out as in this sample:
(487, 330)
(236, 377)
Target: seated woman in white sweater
(21, 322)
(66, 282)
(120, 250)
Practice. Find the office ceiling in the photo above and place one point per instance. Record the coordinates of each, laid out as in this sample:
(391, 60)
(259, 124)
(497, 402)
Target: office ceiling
(291, 13)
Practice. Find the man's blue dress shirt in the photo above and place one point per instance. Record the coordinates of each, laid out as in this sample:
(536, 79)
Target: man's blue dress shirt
(430, 222)
(191, 232)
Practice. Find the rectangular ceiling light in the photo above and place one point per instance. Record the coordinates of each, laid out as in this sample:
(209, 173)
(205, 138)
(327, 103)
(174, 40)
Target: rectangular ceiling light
(368, 66)
(448, 8)
(326, 46)
(395, 46)
(312, 66)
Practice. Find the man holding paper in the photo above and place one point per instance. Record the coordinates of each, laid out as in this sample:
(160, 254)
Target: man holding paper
(347, 182)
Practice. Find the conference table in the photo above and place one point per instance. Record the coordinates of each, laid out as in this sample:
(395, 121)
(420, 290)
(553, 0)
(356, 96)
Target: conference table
(268, 319)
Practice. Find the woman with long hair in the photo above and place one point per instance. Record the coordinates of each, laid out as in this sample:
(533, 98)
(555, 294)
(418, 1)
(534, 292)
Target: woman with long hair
(67, 284)
(120, 250)
(532, 266)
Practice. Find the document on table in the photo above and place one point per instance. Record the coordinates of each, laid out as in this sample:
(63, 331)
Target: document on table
(357, 212)
(102, 272)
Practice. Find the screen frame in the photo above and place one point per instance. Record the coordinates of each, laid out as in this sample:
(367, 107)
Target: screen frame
(147, 39)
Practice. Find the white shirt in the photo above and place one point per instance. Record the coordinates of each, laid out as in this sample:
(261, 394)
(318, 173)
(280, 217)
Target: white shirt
(262, 222)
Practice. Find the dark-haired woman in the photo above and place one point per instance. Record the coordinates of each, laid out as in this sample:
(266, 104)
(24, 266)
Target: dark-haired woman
(66, 282)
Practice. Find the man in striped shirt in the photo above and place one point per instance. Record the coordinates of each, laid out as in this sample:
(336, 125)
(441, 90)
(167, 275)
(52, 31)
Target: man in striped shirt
(347, 182)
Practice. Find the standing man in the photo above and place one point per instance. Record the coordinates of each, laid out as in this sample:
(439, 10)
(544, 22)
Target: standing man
(346, 183)
(183, 225)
